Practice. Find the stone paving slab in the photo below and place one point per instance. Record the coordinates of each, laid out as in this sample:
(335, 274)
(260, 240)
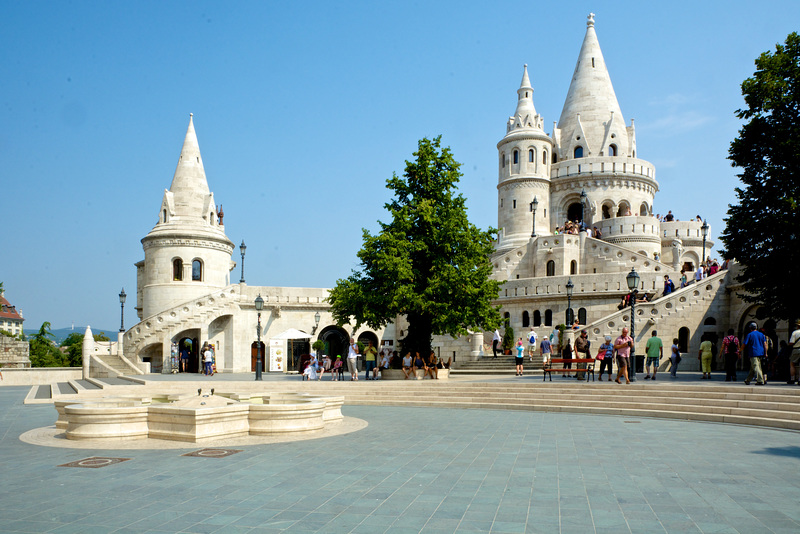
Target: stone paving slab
(419, 470)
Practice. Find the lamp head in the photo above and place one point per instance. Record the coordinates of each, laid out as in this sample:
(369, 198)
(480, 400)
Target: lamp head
(570, 287)
(704, 228)
(122, 296)
(242, 247)
(632, 279)
(259, 303)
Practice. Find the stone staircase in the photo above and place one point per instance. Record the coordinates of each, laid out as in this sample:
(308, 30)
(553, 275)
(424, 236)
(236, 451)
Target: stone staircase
(503, 365)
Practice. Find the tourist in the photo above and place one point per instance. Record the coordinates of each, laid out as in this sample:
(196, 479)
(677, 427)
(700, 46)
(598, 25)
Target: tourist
(184, 358)
(755, 347)
(669, 217)
(310, 372)
(370, 357)
(623, 345)
(576, 325)
(566, 353)
(699, 273)
(597, 233)
(431, 368)
(655, 351)
(419, 365)
(386, 360)
(606, 357)
(208, 357)
(714, 269)
(326, 365)
(546, 349)
(582, 348)
(705, 355)
(352, 360)
(531, 343)
(730, 353)
(520, 358)
(675, 358)
(684, 280)
(444, 365)
(794, 356)
(407, 365)
(337, 373)
(495, 341)
(669, 287)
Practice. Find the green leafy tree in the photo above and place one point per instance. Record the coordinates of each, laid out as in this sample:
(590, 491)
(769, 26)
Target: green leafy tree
(762, 229)
(43, 352)
(429, 263)
(73, 344)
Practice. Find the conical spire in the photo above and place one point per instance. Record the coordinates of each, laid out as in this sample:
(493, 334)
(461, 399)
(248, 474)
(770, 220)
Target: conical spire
(591, 102)
(189, 184)
(525, 115)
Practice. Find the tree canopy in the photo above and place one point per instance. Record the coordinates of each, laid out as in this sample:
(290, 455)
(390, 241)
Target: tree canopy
(762, 229)
(429, 263)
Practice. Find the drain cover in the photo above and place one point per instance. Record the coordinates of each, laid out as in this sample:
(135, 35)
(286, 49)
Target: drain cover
(212, 453)
(95, 462)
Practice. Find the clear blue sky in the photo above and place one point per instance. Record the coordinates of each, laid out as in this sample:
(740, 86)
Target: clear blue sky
(304, 109)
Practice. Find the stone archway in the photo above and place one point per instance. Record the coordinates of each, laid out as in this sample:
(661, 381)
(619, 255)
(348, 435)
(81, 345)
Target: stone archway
(575, 212)
(336, 341)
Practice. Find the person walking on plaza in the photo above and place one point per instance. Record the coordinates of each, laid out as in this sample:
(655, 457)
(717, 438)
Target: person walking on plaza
(675, 358)
(730, 355)
(208, 357)
(794, 356)
(370, 357)
(705, 355)
(755, 346)
(352, 360)
(623, 345)
(582, 352)
(606, 357)
(520, 357)
(655, 351)
(531, 343)
(495, 341)
(546, 350)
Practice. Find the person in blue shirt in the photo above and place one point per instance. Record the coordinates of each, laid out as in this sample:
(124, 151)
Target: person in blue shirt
(520, 356)
(755, 346)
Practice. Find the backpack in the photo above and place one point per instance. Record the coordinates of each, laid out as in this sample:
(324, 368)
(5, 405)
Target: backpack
(733, 346)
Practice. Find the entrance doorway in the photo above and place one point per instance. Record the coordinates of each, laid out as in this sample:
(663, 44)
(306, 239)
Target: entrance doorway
(575, 212)
(192, 347)
(254, 357)
(336, 342)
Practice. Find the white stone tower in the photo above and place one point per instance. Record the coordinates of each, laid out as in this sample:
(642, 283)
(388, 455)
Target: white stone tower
(524, 172)
(187, 254)
(595, 153)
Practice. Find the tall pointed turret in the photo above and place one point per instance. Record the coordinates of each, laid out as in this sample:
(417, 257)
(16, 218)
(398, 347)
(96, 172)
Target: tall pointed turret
(187, 253)
(591, 119)
(189, 185)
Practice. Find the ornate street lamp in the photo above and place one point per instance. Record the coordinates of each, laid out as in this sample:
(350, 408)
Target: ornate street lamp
(242, 248)
(259, 307)
(316, 325)
(122, 297)
(570, 287)
(584, 199)
(704, 229)
(534, 205)
(633, 285)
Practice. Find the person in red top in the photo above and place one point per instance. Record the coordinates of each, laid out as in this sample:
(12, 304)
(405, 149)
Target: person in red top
(623, 346)
(730, 354)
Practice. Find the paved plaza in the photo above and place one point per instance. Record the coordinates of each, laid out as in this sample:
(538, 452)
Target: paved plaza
(417, 470)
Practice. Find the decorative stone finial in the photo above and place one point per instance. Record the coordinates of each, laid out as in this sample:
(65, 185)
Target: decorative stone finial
(590, 20)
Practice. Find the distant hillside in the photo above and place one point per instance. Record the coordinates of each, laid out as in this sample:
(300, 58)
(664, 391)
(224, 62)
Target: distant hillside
(62, 333)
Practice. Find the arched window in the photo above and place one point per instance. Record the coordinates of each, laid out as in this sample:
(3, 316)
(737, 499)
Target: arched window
(582, 315)
(606, 211)
(177, 269)
(530, 156)
(612, 150)
(516, 157)
(555, 157)
(526, 319)
(573, 267)
(544, 157)
(506, 319)
(551, 268)
(197, 271)
(624, 210)
(166, 219)
(537, 318)
(578, 152)
(548, 318)
(503, 160)
(644, 210)
(710, 321)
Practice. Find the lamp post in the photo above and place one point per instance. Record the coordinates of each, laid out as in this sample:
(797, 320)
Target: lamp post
(633, 285)
(259, 307)
(704, 229)
(570, 287)
(534, 205)
(316, 325)
(122, 297)
(242, 248)
(584, 198)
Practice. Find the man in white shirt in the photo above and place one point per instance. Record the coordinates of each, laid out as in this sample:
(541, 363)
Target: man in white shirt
(495, 342)
(352, 359)
(531, 343)
(698, 274)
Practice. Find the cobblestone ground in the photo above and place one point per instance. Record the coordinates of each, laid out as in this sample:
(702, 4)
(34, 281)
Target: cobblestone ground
(418, 470)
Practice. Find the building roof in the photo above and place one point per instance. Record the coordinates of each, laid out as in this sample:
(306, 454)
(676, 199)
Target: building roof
(7, 311)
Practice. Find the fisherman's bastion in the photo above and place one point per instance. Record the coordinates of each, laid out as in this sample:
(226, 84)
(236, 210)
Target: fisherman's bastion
(587, 170)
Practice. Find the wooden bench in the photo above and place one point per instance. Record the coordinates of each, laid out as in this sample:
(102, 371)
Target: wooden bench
(549, 369)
